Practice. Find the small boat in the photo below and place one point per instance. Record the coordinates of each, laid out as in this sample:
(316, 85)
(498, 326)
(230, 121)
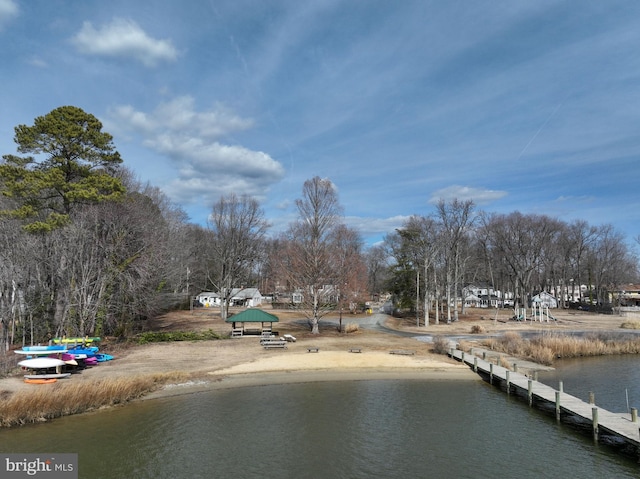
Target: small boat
(89, 352)
(41, 363)
(47, 376)
(69, 359)
(34, 351)
(40, 380)
(54, 347)
(101, 357)
(90, 361)
(77, 340)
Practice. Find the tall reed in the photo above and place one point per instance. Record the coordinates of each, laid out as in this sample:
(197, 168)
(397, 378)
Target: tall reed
(65, 398)
(544, 349)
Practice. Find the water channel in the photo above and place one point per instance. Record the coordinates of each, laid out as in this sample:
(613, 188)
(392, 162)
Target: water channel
(338, 429)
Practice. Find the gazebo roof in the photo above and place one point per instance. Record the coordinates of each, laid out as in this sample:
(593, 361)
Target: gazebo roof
(253, 315)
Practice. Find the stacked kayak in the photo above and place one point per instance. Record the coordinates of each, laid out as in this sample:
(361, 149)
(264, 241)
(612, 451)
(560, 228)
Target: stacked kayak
(46, 364)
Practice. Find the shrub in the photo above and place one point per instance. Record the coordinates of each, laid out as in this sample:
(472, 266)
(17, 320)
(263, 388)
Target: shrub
(167, 336)
(351, 328)
(477, 329)
(441, 345)
(631, 324)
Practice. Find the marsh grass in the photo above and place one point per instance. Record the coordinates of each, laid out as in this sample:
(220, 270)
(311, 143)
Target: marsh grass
(65, 398)
(545, 348)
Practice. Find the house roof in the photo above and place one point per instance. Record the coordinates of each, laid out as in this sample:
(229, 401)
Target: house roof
(253, 315)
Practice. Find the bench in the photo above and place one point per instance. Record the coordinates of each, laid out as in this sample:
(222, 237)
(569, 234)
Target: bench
(313, 350)
(404, 352)
(236, 333)
(273, 343)
(355, 350)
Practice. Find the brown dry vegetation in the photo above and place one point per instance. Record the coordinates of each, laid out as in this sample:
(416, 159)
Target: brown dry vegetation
(548, 347)
(66, 398)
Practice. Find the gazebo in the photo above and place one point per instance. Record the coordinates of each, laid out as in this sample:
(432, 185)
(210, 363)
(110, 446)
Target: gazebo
(251, 315)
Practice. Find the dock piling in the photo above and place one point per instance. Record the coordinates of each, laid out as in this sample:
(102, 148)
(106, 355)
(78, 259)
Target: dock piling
(594, 415)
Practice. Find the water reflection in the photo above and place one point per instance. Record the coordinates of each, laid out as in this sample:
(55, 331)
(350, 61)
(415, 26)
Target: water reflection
(356, 429)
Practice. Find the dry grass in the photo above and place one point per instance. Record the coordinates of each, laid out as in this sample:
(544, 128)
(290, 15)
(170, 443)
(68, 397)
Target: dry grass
(63, 399)
(631, 324)
(546, 348)
(441, 345)
(351, 328)
(477, 329)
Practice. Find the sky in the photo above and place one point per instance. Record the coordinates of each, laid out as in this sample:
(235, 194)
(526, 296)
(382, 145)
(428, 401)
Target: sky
(519, 106)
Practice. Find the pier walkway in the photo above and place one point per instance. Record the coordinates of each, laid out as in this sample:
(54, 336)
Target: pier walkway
(606, 426)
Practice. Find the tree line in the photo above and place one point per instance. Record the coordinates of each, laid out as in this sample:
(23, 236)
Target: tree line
(523, 254)
(87, 249)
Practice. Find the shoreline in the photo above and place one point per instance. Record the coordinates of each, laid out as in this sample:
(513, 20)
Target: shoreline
(301, 376)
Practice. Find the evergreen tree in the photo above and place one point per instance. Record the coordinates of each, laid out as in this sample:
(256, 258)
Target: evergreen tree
(75, 165)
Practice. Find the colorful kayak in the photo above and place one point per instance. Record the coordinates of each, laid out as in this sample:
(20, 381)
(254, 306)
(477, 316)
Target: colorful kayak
(39, 380)
(54, 347)
(69, 359)
(41, 363)
(39, 352)
(88, 351)
(47, 376)
(78, 340)
(101, 357)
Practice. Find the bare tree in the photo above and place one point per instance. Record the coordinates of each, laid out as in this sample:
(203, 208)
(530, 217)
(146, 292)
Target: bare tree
(377, 269)
(521, 241)
(457, 218)
(350, 268)
(237, 226)
(309, 254)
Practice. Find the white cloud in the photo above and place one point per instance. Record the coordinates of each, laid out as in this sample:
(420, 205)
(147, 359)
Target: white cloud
(205, 167)
(8, 10)
(124, 38)
(479, 196)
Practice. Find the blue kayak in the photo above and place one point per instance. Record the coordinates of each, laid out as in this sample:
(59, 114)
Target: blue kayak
(86, 351)
(101, 357)
(57, 347)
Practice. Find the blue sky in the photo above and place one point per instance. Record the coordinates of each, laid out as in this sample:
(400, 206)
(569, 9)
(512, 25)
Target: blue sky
(527, 106)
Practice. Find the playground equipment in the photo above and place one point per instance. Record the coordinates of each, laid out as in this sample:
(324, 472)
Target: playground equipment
(539, 312)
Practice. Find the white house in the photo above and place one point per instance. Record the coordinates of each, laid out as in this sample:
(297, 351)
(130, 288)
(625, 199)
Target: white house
(247, 297)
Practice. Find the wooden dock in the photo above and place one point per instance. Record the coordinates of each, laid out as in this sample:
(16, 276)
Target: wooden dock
(621, 430)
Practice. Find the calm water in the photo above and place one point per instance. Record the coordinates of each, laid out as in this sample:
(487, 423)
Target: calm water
(356, 429)
(611, 379)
